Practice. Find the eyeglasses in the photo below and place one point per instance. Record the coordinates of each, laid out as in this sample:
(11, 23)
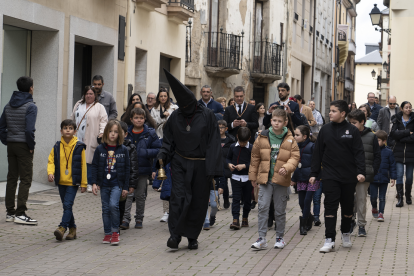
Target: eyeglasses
(150, 98)
(392, 103)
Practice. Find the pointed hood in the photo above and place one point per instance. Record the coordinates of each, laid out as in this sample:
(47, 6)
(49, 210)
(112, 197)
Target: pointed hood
(185, 98)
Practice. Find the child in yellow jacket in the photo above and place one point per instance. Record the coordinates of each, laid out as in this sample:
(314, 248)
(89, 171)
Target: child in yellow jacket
(67, 168)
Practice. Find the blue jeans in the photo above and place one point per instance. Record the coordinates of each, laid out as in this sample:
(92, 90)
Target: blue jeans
(213, 205)
(67, 195)
(89, 173)
(408, 173)
(382, 187)
(110, 208)
(317, 201)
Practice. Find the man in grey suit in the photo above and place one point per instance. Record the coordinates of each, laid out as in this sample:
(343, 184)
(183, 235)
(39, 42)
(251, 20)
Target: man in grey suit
(385, 116)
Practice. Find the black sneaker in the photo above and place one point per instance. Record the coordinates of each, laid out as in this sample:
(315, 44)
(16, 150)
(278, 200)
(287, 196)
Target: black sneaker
(226, 204)
(353, 225)
(362, 232)
(317, 222)
(24, 219)
(253, 204)
(212, 220)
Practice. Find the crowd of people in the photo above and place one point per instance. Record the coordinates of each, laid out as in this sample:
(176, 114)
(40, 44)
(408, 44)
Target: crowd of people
(201, 145)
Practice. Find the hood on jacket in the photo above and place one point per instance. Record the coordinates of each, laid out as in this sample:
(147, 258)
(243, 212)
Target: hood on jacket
(365, 131)
(399, 116)
(130, 128)
(20, 98)
(72, 142)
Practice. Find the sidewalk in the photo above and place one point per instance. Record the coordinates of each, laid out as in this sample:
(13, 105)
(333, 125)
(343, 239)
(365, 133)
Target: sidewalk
(35, 188)
(33, 250)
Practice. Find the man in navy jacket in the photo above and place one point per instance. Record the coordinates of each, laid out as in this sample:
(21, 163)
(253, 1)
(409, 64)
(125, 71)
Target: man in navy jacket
(290, 106)
(375, 108)
(208, 101)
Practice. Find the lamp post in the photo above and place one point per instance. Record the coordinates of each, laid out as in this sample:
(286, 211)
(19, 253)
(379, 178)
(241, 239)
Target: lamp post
(376, 17)
(373, 74)
(385, 66)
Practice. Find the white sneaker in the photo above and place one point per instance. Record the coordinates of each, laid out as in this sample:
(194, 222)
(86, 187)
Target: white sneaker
(10, 218)
(164, 217)
(280, 243)
(260, 243)
(89, 188)
(24, 219)
(328, 246)
(346, 240)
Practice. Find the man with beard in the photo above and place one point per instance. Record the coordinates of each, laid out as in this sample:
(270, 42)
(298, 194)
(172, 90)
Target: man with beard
(192, 146)
(105, 98)
(291, 107)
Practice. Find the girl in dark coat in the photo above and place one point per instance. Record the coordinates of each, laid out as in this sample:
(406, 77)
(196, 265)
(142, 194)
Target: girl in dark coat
(301, 177)
(402, 133)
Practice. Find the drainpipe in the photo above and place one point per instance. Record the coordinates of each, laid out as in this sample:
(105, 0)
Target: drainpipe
(127, 33)
(286, 41)
(313, 49)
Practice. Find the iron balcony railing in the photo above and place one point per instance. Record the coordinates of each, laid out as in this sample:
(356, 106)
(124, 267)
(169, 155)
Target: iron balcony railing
(224, 50)
(267, 58)
(188, 42)
(188, 4)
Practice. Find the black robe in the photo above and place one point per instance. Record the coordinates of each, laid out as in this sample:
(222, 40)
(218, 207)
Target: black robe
(190, 188)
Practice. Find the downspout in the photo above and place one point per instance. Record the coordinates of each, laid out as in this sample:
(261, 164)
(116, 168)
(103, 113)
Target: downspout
(313, 50)
(286, 41)
(127, 33)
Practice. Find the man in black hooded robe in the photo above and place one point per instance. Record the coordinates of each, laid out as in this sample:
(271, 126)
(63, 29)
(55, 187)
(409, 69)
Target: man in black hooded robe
(192, 145)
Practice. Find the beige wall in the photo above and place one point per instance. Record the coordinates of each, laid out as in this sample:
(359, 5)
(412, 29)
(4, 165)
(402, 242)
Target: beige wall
(364, 82)
(401, 77)
(104, 12)
(154, 34)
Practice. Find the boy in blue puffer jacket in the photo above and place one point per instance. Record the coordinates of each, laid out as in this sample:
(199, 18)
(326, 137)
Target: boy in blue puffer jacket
(148, 144)
(387, 170)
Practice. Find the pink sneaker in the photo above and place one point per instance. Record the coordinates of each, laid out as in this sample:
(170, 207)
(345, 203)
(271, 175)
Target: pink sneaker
(375, 212)
(381, 217)
(107, 239)
(115, 238)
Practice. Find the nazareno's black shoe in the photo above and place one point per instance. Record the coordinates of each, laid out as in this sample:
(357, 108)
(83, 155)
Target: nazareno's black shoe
(172, 243)
(192, 244)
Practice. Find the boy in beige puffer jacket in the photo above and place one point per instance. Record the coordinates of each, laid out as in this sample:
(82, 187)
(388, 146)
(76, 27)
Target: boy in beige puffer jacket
(275, 156)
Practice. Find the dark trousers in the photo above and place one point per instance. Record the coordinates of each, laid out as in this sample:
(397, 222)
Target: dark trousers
(378, 190)
(226, 190)
(305, 201)
(20, 165)
(121, 210)
(67, 196)
(242, 191)
(317, 201)
(338, 193)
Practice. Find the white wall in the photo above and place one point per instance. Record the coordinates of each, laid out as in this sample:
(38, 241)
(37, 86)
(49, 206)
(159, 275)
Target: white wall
(364, 82)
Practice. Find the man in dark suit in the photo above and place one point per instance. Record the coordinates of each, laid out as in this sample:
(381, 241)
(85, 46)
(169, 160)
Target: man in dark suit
(241, 114)
(291, 107)
(375, 108)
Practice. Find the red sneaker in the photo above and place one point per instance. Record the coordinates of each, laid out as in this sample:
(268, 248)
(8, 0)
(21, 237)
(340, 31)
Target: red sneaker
(375, 212)
(115, 238)
(107, 239)
(380, 217)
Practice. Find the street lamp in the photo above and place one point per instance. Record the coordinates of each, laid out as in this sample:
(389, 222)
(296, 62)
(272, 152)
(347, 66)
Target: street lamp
(373, 74)
(385, 66)
(375, 15)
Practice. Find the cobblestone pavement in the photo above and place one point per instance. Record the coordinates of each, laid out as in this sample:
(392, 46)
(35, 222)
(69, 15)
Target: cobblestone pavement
(33, 250)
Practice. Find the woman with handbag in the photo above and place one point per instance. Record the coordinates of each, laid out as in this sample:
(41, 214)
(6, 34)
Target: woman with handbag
(91, 118)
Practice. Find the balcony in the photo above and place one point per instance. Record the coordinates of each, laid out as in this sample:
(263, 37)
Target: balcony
(180, 10)
(352, 48)
(267, 62)
(150, 5)
(224, 54)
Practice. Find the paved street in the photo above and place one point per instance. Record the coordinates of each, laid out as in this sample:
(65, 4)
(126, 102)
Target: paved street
(33, 250)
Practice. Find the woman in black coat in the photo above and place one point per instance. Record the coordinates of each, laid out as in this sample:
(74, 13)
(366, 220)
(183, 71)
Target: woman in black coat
(402, 132)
